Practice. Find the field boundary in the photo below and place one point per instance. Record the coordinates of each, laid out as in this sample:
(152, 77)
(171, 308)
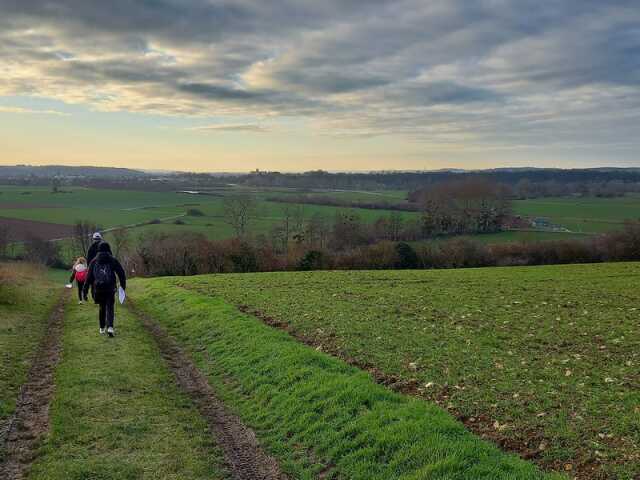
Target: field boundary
(244, 456)
(28, 425)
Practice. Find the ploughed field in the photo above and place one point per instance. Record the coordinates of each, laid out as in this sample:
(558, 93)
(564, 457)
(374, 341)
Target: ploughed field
(544, 361)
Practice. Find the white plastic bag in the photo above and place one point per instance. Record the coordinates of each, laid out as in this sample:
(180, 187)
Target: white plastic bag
(68, 285)
(121, 295)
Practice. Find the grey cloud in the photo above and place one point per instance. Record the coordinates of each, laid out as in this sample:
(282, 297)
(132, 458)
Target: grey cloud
(230, 128)
(219, 92)
(488, 68)
(444, 92)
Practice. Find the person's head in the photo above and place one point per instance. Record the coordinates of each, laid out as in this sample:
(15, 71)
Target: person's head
(97, 237)
(104, 247)
(80, 261)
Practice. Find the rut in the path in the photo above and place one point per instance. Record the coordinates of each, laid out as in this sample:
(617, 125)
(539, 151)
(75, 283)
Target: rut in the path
(30, 422)
(243, 454)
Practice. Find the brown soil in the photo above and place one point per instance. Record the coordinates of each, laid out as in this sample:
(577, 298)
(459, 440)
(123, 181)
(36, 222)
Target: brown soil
(30, 423)
(245, 458)
(20, 230)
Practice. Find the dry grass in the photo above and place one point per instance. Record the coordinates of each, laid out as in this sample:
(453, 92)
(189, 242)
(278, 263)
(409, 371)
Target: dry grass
(15, 276)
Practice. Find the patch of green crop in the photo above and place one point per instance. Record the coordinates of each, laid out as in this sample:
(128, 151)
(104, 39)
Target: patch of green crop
(583, 215)
(314, 412)
(545, 359)
(117, 412)
(109, 208)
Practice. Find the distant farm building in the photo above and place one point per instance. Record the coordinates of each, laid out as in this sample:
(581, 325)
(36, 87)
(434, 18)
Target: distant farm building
(542, 223)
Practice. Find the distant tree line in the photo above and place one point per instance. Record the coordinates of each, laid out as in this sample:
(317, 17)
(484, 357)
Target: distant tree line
(525, 183)
(545, 180)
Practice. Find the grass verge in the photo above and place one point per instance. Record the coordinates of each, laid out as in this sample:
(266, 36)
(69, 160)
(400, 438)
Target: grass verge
(27, 296)
(117, 413)
(316, 414)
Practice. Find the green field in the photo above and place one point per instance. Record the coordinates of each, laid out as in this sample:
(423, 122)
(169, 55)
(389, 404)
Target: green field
(544, 359)
(583, 215)
(165, 212)
(112, 208)
(320, 417)
(476, 366)
(117, 412)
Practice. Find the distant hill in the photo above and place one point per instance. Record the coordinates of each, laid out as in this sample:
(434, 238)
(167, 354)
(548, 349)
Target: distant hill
(51, 171)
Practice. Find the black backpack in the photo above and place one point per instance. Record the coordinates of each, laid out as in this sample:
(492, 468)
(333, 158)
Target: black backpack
(104, 278)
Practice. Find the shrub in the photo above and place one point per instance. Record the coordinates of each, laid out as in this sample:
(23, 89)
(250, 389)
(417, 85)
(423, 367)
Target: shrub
(178, 221)
(243, 257)
(407, 256)
(195, 212)
(312, 260)
(462, 252)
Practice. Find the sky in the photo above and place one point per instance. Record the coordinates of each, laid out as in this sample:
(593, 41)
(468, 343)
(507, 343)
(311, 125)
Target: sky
(295, 85)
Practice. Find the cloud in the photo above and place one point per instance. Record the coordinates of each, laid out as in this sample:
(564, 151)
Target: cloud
(28, 111)
(229, 128)
(516, 72)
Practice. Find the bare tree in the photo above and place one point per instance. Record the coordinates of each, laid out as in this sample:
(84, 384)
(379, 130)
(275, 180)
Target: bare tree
(82, 231)
(39, 250)
(238, 212)
(395, 225)
(317, 231)
(121, 241)
(467, 206)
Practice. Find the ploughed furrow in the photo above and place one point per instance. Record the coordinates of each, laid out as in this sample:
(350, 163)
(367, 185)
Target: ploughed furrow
(29, 424)
(245, 458)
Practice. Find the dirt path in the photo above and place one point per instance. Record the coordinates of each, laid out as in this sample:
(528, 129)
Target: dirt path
(30, 422)
(246, 459)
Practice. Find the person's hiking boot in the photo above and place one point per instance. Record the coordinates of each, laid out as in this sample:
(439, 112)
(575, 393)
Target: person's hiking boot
(110, 331)
(102, 330)
(80, 302)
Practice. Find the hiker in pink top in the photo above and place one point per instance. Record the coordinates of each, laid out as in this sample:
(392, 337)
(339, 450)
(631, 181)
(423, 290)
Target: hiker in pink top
(79, 274)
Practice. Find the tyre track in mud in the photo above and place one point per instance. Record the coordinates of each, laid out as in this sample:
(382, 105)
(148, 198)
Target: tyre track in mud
(245, 458)
(26, 428)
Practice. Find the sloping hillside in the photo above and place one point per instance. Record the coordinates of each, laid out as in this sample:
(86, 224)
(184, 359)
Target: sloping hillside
(542, 360)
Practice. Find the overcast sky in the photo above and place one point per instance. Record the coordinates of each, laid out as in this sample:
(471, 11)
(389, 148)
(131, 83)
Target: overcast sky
(337, 84)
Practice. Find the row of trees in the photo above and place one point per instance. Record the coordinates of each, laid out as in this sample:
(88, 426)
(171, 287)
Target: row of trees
(543, 177)
(194, 254)
(467, 206)
(316, 246)
(452, 208)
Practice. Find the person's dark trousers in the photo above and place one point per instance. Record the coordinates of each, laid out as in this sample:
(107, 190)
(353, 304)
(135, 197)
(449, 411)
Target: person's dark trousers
(81, 295)
(107, 304)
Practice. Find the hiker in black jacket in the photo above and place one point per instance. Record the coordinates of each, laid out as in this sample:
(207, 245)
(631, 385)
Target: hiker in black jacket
(102, 279)
(92, 252)
(93, 248)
